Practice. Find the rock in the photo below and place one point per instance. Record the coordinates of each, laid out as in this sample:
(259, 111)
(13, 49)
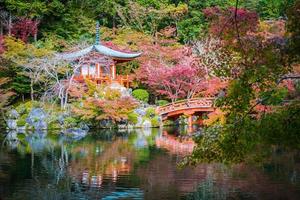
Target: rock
(83, 126)
(123, 90)
(140, 111)
(139, 121)
(37, 119)
(61, 119)
(122, 126)
(13, 114)
(12, 124)
(146, 124)
(105, 123)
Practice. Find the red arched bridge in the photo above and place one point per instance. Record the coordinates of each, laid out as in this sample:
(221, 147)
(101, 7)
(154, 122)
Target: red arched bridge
(188, 107)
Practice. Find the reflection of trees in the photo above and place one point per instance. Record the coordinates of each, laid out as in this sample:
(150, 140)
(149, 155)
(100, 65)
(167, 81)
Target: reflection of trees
(99, 165)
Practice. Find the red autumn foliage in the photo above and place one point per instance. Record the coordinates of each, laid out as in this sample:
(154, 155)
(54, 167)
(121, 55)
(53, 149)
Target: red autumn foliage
(223, 22)
(25, 28)
(213, 86)
(289, 84)
(2, 49)
(175, 72)
(101, 109)
(180, 81)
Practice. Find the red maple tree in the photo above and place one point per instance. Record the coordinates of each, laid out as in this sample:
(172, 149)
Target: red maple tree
(24, 28)
(2, 49)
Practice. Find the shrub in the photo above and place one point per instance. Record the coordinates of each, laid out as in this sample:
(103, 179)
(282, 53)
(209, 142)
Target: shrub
(22, 120)
(150, 113)
(141, 95)
(155, 121)
(133, 118)
(70, 122)
(162, 102)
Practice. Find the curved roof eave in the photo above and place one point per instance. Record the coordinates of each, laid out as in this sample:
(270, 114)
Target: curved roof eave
(116, 54)
(76, 54)
(101, 49)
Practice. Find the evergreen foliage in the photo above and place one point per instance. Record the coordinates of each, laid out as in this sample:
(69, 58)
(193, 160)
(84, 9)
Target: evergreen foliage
(141, 94)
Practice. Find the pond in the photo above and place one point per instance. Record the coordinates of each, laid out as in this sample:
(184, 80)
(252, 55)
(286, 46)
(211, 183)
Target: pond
(140, 164)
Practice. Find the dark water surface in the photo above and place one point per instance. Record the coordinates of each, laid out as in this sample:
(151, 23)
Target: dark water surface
(136, 165)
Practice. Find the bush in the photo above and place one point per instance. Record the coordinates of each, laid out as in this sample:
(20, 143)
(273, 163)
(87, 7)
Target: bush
(141, 95)
(70, 122)
(150, 113)
(133, 118)
(22, 120)
(162, 102)
(155, 121)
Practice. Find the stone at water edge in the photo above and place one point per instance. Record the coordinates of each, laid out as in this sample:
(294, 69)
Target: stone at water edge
(146, 124)
(37, 119)
(139, 121)
(83, 126)
(140, 111)
(11, 124)
(13, 114)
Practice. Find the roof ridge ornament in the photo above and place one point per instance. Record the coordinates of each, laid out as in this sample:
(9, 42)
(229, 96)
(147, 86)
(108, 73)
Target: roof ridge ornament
(97, 41)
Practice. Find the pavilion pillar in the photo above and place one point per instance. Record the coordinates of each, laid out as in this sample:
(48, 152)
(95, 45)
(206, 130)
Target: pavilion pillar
(97, 70)
(190, 120)
(113, 71)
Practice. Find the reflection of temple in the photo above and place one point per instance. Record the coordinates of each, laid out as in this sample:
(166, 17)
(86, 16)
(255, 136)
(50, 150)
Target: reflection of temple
(98, 63)
(113, 160)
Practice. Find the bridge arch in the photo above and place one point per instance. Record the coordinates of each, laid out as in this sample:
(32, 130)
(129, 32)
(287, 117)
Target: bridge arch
(188, 107)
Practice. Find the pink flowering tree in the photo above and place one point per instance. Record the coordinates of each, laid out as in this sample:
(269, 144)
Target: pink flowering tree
(1, 44)
(175, 82)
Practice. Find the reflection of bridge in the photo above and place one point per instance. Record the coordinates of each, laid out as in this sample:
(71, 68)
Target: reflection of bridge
(174, 144)
(188, 107)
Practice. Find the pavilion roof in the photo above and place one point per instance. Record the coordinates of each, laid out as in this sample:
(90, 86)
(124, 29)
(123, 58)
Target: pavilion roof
(106, 51)
(101, 49)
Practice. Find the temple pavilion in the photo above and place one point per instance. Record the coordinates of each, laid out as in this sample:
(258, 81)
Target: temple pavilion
(98, 63)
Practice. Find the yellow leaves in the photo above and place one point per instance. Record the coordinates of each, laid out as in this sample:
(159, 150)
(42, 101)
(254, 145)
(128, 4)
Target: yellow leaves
(215, 117)
(18, 51)
(5, 94)
(101, 91)
(14, 48)
(176, 11)
(132, 39)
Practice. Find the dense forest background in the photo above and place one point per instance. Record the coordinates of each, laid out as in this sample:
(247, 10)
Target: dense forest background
(75, 19)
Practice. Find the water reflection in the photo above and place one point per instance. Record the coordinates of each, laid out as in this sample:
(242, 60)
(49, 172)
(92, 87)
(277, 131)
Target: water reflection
(139, 164)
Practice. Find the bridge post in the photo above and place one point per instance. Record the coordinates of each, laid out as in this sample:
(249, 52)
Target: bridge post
(190, 120)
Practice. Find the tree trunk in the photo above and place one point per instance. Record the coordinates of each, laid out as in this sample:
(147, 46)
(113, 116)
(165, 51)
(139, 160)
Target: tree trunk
(114, 25)
(35, 37)
(9, 24)
(1, 29)
(31, 91)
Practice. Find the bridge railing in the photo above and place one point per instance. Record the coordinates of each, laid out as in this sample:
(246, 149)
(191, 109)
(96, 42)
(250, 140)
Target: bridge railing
(186, 104)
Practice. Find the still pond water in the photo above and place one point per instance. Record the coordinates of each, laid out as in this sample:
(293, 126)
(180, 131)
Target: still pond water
(141, 164)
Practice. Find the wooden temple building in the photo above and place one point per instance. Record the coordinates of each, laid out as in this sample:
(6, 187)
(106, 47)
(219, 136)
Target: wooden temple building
(98, 63)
